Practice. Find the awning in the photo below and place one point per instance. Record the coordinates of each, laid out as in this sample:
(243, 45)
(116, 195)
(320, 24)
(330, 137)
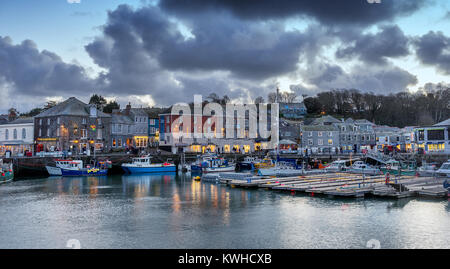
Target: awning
(15, 143)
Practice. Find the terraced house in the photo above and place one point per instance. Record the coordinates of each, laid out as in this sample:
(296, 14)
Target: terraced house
(72, 126)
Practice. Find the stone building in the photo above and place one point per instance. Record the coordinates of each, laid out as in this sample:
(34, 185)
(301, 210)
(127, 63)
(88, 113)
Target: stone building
(17, 137)
(72, 126)
(320, 138)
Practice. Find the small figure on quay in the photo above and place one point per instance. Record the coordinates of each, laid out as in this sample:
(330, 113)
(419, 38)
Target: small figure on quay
(387, 178)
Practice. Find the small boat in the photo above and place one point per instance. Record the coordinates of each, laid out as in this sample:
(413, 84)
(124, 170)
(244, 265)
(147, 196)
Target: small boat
(359, 167)
(248, 163)
(76, 168)
(337, 166)
(265, 163)
(6, 172)
(281, 167)
(143, 165)
(427, 169)
(212, 163)
(444, 170)
(395, 168)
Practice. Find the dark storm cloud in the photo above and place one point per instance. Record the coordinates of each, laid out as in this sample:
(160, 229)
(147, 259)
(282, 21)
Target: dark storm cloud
(385, 79)
(353, 12)
(40, 73)
(433, 49)
(251, 50)
(390, 42)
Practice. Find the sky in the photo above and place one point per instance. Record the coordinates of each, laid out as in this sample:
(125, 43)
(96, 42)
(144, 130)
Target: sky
(161, 52)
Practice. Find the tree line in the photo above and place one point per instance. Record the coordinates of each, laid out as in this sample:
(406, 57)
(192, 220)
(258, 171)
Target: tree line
(395, 109)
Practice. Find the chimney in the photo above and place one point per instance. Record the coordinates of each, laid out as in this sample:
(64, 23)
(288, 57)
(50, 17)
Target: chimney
(128, 109)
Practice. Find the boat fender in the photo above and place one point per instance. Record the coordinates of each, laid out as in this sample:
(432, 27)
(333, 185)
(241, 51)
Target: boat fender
(446, 184)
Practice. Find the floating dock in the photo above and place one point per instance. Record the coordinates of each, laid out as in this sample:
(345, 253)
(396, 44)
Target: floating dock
(343, 185)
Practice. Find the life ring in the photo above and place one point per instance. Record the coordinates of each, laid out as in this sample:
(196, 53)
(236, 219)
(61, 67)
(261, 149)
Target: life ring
(388, 167)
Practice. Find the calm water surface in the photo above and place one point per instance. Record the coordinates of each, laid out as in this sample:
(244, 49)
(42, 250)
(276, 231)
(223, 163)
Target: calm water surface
(168, 211)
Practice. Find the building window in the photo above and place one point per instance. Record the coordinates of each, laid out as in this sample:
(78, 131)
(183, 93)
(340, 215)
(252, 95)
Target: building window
(320, 142)
(421, 135)
(83, 121)
(40, 121)
(114, 143)
(57, 132)
(310, 134)
(83, 133)
(99, 134)
(436, 134)
(330, 141)
(119, 144)
(330, 134)
(24, 133)
(58, 120)
(6, 134)
(48, 132)
(320, 134)
(48, 121)
(310, 142)
(40, 132)
(99, 121)
(15, 134)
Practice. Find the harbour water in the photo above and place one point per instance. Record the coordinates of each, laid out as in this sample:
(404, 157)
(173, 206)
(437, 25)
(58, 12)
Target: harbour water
(168, 211)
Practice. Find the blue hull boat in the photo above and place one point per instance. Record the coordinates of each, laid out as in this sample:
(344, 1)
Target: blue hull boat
(141, 170)
(84, 172)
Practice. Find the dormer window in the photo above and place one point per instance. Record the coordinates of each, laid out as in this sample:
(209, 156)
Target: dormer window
(93, 112)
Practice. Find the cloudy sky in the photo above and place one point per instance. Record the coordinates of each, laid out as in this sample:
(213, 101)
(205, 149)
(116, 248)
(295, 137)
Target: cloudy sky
(162, 52)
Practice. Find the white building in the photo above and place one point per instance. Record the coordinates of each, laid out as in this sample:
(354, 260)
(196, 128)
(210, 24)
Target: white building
(17, 137)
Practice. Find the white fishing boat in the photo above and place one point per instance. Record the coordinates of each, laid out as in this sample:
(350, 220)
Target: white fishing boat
(143, 165)
(427, 169)
(59, 165)
(337, 166)
(359, 167)
(444, 170)
(212, 163)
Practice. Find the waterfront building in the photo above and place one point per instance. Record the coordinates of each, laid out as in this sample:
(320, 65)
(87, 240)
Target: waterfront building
(129, 128)
(354, 135)
(17, 137)
(433, 139)
(121, 130)
(217, 142)
(320, 138)
(72, 126)
(153, 126)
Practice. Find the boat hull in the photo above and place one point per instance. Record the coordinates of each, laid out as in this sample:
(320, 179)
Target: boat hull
(8, 176)
(54, 171)
(151, 169)
(84, 172)
(396, 172)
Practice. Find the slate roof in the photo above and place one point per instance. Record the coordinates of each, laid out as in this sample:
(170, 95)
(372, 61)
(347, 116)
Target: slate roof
(324, 119)
(443, 123)
(121, 118)
(70, 107)
(22, 120)
(319, 128)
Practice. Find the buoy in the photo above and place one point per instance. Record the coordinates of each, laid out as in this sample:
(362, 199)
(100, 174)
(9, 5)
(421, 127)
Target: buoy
(197, 178)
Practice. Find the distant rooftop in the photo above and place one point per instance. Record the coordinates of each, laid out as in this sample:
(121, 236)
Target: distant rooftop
(443, 123)
(70, 107)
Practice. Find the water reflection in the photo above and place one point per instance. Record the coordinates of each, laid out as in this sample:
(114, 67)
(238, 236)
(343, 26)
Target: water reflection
(174, 211)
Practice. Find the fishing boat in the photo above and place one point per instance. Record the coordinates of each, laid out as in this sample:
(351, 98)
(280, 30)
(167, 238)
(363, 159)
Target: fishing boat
(248, 163)
(359, 167)
(337, 166)
(143, 165)
(212, 163)
(427, 169)
(444, 170)
(6, 172)
(76, 168)
(396, 168)
(56, 170)
(264, 163)
(281, 167)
